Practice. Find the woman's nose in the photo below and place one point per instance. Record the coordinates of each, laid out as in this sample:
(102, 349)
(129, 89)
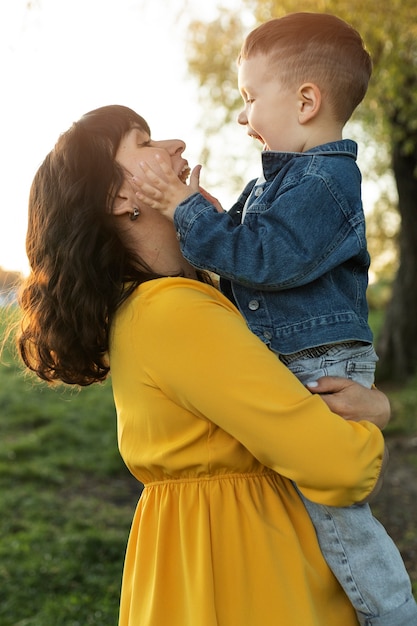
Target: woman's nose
(172, 146)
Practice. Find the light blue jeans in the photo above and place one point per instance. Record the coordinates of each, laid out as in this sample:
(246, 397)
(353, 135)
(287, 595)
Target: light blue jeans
(355, 545)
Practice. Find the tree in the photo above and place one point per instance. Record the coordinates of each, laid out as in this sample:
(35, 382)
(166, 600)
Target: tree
(388, 115)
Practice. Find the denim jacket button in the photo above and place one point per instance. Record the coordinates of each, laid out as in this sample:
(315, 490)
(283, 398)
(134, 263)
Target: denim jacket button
(258, 191)
(267, 335)
(253, 305)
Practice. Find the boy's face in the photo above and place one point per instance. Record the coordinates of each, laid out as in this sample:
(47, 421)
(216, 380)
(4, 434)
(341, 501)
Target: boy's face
(271, 110)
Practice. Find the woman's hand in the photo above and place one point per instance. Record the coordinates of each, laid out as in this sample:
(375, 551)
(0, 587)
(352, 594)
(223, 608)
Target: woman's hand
(353, 401)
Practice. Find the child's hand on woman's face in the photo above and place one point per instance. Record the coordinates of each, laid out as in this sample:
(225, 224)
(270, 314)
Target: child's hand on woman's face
(160, 188)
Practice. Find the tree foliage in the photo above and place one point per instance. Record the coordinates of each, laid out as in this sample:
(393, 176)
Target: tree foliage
(388, 117)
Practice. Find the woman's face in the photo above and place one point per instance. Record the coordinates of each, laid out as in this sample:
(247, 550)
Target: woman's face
(152, 234)
(137, 146)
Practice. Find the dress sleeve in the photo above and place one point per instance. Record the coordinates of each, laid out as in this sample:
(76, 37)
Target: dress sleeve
(206, 359)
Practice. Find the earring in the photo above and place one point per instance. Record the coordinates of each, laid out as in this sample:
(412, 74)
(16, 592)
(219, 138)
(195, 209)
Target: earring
(134, 216)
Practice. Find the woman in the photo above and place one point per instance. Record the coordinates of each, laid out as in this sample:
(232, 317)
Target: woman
(208, 419)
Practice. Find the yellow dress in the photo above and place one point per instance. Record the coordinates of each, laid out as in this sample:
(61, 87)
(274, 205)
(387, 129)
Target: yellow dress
(217, 428)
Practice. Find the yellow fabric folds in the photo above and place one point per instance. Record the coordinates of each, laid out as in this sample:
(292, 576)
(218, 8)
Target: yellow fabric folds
(216, 428)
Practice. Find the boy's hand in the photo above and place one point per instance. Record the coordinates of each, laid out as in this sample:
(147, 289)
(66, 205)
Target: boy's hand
(353, 401)
(161, 189)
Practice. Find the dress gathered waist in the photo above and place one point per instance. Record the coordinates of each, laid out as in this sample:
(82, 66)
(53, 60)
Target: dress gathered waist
(216, 477)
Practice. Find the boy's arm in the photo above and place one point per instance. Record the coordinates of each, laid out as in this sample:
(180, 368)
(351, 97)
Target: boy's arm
(288, 240)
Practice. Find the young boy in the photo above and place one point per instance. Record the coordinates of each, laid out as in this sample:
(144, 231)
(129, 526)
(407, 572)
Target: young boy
(291, 253)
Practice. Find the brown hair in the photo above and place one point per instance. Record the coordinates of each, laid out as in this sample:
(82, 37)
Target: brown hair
(80, 269)
(318, 48)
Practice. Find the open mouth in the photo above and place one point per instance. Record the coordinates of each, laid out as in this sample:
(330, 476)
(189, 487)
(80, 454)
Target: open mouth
(256, 136)
(184, 173)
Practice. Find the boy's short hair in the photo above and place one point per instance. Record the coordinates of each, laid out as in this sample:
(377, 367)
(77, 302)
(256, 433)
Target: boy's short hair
(318, 48)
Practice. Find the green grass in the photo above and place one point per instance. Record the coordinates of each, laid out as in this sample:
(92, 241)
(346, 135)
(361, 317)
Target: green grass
(66, 504)
(67, 500)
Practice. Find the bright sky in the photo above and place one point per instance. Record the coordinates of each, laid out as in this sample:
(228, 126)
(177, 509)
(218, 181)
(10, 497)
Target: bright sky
(62, 58)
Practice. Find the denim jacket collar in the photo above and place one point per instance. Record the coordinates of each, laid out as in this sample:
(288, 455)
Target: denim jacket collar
(273, 162)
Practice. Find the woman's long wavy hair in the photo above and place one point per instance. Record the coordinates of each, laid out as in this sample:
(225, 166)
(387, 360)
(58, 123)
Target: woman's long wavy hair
(80, 269)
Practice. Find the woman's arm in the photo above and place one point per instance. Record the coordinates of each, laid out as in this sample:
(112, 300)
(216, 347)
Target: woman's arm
(204, 358)
(355, 402)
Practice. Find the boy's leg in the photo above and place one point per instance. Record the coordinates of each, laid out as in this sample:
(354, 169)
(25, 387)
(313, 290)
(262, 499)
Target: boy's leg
(356, 546)
(366, 562)
(354, 360)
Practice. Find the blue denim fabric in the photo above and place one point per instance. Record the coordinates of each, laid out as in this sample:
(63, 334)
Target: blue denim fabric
(354, 360)
(297, 266)
(355, 545)
(366, 562)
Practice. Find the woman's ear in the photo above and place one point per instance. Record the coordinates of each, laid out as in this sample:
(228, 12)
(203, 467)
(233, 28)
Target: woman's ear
(309, 102)
(125, 201)
(121, 205)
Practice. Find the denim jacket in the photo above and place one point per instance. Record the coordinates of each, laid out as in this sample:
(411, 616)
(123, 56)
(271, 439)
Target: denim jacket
(297, 266)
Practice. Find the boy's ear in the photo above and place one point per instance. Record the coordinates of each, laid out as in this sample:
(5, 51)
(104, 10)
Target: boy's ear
(309, 102)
